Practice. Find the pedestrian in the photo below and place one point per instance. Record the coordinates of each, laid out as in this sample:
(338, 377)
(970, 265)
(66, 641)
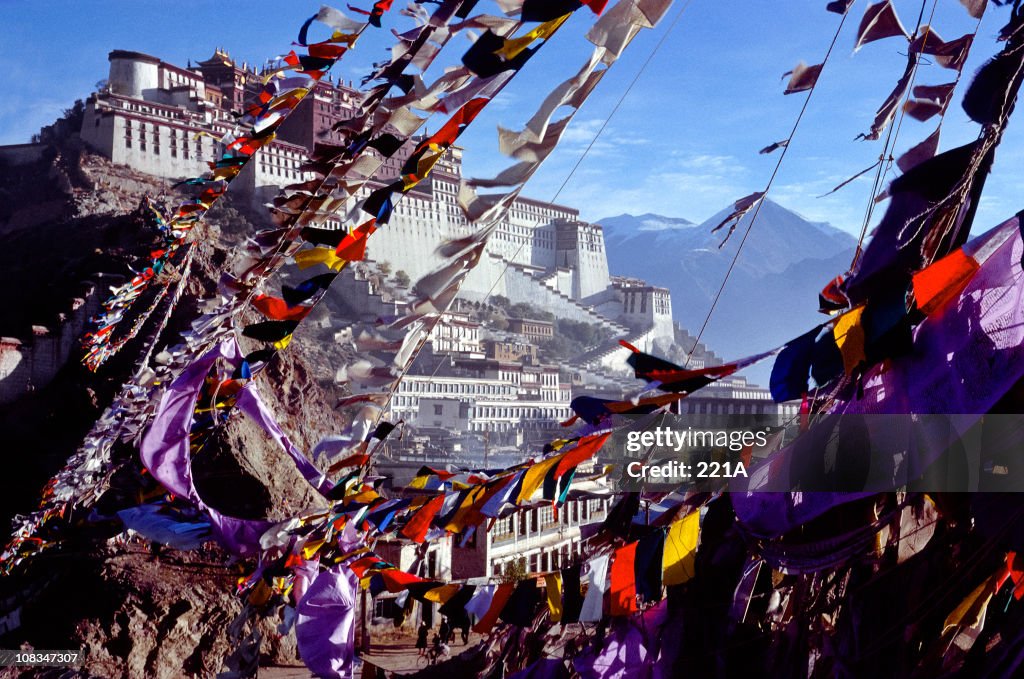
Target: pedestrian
(464, 628)
(421, 637)
(446, 630)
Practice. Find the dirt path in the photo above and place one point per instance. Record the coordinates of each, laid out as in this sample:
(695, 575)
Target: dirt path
(394, 652)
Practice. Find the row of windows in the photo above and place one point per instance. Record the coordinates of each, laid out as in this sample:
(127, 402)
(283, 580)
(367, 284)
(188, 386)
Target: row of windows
(547, 560)
(518, 413)
(461, 387)
(728, 408)
(147, 133)
(530, 521)
(528, 211)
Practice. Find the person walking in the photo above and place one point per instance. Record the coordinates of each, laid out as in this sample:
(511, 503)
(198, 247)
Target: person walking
(421, 637)
(446, 630)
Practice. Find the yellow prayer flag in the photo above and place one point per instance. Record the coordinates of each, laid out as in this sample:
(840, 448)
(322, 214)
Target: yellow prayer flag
(307, 258)
(680, 550)
(465, 510)
(971, 610)
(553, 582)
(442, 594)
(534, 477)
(849, 335)
(514, 46)
(311, 547)
(364, 497)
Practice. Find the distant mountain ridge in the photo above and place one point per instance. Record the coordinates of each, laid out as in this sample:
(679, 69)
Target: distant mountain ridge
(771, 295)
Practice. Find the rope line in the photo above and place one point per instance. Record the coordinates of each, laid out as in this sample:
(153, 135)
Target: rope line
(771, 180)
(572, 172)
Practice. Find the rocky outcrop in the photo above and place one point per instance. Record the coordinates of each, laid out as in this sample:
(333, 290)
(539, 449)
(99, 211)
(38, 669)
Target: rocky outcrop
(137, 613)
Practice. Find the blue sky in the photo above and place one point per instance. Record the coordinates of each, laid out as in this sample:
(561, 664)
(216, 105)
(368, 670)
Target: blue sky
(684, 142)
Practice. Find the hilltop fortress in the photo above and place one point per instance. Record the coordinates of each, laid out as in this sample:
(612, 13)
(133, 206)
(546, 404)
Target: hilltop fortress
(164, 119)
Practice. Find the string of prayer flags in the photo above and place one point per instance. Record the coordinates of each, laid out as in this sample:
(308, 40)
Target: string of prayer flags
(595, 411)
(261, 119)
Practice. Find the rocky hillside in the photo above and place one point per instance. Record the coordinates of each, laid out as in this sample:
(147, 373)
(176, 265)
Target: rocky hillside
(139, 614)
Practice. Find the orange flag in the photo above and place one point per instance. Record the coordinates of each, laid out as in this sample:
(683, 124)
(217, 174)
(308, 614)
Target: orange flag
(584, 450)
(623, 581)
(416, 528)
(277, 309)
(352, 247)
(937, 284)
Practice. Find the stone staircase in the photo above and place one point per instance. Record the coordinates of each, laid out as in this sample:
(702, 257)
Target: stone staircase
(612, 353)
(561, 305)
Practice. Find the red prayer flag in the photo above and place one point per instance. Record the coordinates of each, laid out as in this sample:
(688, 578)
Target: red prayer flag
(416, 528)
(278, 310)
(326, 50)
(449, 132)
(584, 450)
(623, 580)
(352, 247)
(1014, 571)
(396, 580)
(360, 566)
(937, 284)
